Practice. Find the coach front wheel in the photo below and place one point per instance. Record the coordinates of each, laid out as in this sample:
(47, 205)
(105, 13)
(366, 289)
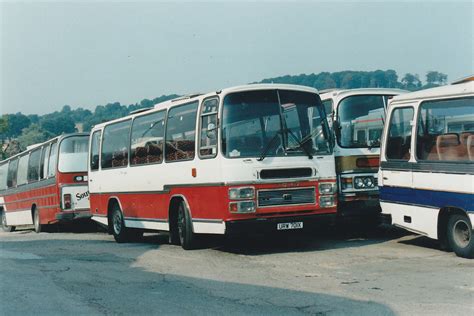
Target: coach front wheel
(185, 228)
(460, 235)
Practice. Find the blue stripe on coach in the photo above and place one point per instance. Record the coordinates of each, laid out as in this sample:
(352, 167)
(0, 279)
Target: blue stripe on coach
(429, 198)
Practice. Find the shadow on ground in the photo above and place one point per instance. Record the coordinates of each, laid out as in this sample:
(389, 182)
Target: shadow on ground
(86, 277)
(324, 239)
(422, 241)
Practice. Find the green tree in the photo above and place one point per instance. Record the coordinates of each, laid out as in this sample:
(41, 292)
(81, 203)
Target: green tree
(16, 123)
(57, 124)
(411, 82)
(3, 131)
(435, 79)
(32, 135)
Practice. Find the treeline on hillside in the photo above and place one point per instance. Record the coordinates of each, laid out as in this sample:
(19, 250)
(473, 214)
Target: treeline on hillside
(363, 79)
(17, 131)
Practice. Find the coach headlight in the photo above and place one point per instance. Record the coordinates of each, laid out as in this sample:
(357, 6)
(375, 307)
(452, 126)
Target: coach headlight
(242, 207)
(327, 188)
(359, 183)
(369, 182)
(364, 182)
(242, 193)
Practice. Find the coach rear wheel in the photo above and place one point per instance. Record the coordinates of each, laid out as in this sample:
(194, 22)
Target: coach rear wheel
(185, 228)
(5, 227)
(36, 221)
(460, 235)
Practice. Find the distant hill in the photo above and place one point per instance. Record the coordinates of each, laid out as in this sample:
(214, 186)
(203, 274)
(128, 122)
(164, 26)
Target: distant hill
(361, 79)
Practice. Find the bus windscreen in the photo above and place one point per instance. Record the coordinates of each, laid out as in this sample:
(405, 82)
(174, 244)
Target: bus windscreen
(273, 123)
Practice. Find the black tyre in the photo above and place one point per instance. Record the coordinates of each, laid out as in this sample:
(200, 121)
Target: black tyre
(187, 238)
(5, 227)
(120, 232)
(36, 221)
(174, 233)
(460, 236)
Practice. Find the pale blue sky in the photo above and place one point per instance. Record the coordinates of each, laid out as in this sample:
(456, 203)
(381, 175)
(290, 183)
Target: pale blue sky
(85, 54)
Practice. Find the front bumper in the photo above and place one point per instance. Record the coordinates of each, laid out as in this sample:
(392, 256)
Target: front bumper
(268, 225)
(67, 216)
(359, 208)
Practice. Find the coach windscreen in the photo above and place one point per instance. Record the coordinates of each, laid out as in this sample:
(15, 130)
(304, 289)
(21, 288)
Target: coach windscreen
(274, 123)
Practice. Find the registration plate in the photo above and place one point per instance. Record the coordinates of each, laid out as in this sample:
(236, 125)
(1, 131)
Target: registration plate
(294, 225)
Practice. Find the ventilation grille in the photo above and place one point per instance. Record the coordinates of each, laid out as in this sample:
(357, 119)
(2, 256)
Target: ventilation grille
(286, 173)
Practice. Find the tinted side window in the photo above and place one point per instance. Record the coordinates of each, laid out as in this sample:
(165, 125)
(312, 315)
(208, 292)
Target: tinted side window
(12, 173)
(399, 134)
(446, 130)
(44, 162)
(148, 133)
(180, 132)
(3, 176)
(208, 134)
(53, 155)
(115, 143)
(22, 170)
(34, 165)
(94, 158)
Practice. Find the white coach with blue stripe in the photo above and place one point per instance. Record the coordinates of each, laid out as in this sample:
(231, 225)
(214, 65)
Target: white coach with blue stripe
(426, 176)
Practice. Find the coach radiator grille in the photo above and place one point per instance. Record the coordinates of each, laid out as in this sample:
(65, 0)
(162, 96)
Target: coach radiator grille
(286, 197)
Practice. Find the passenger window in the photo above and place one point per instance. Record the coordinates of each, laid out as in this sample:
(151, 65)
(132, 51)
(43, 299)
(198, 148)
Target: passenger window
(180, 132)
(115, 142)
(446, 130)
(22, 176)
(44, 161)
(53, 154)
(148, 133)
(399, 134)
(12, 173)
(34, 165)
(208, 134)
(3, 176)
(94, 158)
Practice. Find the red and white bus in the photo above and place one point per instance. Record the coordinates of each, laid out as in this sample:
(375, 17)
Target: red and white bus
(255, 157)
(45, 184)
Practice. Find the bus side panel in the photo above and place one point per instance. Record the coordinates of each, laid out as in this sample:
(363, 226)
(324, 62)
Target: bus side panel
(208, 205)
(418, 219)
(20, 205)
(50, 205)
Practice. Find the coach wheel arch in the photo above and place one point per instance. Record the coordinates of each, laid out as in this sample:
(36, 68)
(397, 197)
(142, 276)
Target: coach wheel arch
(3, 223)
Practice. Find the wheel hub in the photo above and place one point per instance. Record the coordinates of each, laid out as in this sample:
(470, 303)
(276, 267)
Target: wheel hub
(117, 223)
(462, 233)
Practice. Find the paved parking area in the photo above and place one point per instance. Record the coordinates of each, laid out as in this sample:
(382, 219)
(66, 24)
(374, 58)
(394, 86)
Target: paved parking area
(384, 272)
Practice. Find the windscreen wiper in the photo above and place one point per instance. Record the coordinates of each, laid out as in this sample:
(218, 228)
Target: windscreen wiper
(315, 133)
(300, 143)
(269, 145)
